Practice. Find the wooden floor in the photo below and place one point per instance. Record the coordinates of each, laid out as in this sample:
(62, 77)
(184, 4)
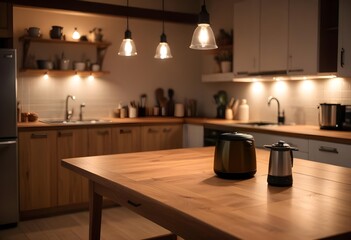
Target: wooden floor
(117, 223)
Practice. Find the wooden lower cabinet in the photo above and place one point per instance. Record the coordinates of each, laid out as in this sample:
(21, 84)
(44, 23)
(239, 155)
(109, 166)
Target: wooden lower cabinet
(160, 137)
(126, 139)
(46, 186)
(37, 170)
(99, 141)
(72, 188)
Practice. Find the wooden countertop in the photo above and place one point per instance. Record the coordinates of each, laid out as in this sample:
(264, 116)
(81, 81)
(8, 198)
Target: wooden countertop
(179, 190)
(301, 131)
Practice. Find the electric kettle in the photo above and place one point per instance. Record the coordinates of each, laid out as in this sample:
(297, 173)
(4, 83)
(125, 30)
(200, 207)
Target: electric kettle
(280, 164)
(235, 156)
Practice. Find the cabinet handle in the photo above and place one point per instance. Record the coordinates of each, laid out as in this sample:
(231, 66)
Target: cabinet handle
(167, 130)
(65, 134)
(125, 131)
(151, 130)
(39, 135)
(328, 149)
(342, 63)
(134, 204)
(295, 70)
(105, 132)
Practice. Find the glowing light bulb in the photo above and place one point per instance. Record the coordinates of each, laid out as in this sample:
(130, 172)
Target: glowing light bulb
(76, 34)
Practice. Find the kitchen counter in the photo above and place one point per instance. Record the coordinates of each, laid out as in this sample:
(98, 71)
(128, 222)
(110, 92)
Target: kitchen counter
(178, 190)
(301, 131)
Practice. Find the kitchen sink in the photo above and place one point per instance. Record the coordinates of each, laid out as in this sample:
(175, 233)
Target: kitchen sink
(85, 121)
(258, 124)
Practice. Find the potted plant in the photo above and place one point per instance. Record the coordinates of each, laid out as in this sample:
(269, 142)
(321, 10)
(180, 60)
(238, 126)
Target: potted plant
(224, 58)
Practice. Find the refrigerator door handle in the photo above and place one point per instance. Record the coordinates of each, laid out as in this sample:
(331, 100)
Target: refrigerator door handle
(7, 142)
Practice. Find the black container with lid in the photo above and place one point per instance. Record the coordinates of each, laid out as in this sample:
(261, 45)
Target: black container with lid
(235, 156)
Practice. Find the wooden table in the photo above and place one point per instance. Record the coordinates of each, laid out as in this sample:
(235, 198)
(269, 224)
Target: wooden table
(178, 190)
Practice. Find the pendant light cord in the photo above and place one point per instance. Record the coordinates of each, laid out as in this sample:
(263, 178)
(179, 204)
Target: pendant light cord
(163, 16)
(127, 14)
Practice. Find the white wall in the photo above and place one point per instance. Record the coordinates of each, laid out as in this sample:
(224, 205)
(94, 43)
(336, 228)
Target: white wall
(128, 78)
(131, 77)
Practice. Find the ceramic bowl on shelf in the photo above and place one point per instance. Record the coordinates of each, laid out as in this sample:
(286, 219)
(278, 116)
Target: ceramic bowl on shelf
(45, 64)
(79, 66)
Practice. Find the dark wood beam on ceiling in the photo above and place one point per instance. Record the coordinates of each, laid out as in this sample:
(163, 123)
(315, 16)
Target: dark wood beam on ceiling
(108, 9)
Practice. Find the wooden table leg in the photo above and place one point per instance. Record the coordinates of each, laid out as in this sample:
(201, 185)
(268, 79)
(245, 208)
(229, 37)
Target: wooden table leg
(95, 208)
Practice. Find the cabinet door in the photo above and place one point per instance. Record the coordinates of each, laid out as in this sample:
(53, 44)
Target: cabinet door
(125, 139)
(37, 170)
(246, 36)
(331, 153)
(273, 35)
(99, 141)
(151, 138)
(5, 20)
(344, 38)
(72, 188)
(303, 37)
(160, 137)
(172, 136)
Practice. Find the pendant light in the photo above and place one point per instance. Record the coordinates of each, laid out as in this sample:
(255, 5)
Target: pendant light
(76, 35)
(127, 47)
(163, 51)
(203, 37)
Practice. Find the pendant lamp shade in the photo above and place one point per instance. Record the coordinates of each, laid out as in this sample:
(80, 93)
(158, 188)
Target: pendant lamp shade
(163, 51)
(203, 37)
(127, 47)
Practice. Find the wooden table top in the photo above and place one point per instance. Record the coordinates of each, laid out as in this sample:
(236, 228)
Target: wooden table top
(179, 190)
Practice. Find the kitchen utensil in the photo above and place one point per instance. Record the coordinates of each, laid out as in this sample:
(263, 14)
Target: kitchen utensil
(235, 109)
(159, 96)
(56, 32)
(170, 103)
(235, 156)
(280, 164)
(231, 102)
(330, 116)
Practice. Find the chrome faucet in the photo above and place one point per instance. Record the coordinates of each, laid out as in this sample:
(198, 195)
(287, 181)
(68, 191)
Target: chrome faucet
(281, 117)
(81, 111)
(69, 113)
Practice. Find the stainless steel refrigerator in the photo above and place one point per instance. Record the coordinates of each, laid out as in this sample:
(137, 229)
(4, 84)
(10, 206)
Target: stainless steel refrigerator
(9, 209)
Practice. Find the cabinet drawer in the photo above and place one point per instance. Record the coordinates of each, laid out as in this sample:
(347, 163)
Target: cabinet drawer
(328, 152)
(266, 139)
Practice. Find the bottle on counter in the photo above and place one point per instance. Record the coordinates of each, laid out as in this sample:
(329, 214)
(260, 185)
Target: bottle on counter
(244, 111)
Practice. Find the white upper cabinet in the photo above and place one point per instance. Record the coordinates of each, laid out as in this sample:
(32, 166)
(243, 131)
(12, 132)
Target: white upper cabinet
(273, 35)
(246, 36)
(303, 37)
(344, 39)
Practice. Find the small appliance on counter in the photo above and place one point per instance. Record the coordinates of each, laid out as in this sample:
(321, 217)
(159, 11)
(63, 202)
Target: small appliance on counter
(334, 116)
(235, 156)
(280, 164)
(347, 123)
